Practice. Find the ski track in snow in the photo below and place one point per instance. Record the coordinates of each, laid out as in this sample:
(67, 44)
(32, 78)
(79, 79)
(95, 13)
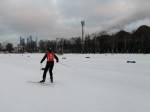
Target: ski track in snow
(101, 83)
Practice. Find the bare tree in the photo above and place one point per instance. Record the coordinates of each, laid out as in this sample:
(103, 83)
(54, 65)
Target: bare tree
(9, 47)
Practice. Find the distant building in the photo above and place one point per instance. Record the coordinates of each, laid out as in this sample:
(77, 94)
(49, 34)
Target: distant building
(29, 46)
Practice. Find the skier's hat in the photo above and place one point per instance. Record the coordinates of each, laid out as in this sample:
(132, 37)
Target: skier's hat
(49, 49)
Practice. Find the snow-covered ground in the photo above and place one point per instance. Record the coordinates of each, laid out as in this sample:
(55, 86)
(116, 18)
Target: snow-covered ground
(101, 83)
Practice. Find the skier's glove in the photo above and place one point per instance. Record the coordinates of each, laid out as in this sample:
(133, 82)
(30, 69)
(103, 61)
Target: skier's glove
(57, 61)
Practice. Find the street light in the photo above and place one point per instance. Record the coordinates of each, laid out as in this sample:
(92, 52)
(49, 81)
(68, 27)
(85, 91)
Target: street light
(59, 45)
(82, 43)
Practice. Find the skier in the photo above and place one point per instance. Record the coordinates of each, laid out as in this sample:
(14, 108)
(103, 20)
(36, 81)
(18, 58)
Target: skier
(50, 55)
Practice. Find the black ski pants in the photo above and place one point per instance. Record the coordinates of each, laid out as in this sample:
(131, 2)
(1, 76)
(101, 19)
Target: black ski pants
(49, 66)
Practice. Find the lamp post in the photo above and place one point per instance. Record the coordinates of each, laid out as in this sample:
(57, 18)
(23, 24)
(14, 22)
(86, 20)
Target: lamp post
(82, 41)
(60, 45)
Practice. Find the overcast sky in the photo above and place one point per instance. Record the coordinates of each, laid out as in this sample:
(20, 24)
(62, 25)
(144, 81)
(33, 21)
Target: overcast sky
(50, 19)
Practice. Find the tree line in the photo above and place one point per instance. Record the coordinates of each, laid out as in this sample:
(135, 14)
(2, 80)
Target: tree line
(137, 41)
(7, 47)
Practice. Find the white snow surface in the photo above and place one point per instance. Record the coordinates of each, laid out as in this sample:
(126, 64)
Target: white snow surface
(101, 83)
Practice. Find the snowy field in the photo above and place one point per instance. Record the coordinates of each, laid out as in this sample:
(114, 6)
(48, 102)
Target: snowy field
(101, 83)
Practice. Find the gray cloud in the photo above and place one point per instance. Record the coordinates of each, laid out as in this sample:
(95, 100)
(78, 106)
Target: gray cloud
(61, 18)
(106, 14)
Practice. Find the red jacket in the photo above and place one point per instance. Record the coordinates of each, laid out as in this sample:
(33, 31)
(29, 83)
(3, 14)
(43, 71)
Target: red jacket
(50, 57)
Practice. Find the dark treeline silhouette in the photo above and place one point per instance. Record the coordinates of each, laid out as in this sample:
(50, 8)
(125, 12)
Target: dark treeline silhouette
(121, 42)
(137, 41)
(7, 48)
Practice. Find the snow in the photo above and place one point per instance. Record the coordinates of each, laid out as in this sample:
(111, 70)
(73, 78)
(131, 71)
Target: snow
(101, 83)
